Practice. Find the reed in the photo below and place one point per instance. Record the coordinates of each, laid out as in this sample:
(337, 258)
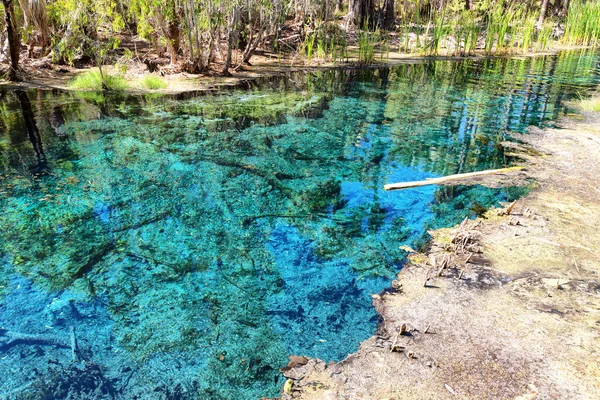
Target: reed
(544, 35)
(439, 32)
(309, 45)
(366, 46)
(528, 33)
(582, 26)
(465, 31)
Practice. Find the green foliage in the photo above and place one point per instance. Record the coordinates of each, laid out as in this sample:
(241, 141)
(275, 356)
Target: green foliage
(439, 32)
(366, 46)
(492, 26)
(153, 82)
(583, 23)
(92, 80)
(330, 42)
(544, 35)
(194, 31)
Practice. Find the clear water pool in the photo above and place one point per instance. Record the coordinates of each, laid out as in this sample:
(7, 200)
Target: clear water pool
(189, 244)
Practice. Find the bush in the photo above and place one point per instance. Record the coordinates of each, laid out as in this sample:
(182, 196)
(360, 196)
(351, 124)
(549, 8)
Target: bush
(92, 80)
(153, 82)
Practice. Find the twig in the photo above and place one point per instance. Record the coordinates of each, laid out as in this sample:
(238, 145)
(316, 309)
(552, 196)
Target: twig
(469, 258)
(427, 278)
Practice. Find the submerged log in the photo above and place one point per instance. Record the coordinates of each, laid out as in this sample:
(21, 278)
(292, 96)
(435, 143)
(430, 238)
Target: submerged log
(444, 179)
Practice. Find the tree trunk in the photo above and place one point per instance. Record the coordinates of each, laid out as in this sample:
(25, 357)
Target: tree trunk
(363, 13)
(14, 39)
(467, 5)
(173, 35)
(543, 12)
(389, 14)
(173, 41)
(230, 40)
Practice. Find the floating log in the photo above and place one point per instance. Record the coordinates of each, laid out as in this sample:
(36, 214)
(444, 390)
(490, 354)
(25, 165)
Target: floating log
(444, 179)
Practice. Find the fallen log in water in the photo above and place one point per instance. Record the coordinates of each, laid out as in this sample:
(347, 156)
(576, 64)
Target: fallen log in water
(444, 179)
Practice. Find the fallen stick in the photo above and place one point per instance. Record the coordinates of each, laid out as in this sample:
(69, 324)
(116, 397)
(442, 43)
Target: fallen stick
(444, 179)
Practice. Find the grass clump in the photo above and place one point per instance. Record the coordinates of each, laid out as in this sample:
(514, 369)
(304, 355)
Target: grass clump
(582, 26)
(153, 82)
(592, 104)
(92, 80)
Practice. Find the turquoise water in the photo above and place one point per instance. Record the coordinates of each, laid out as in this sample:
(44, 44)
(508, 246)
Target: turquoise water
(190, 243)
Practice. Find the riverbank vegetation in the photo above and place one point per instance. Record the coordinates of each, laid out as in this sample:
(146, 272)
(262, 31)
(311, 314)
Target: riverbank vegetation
(222, 37)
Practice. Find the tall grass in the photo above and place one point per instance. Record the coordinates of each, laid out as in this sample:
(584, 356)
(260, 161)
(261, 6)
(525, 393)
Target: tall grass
(92, 80)
(439, 32)
(153, 82)
(366, 46)
(465, 31)
(544, 35)
(310, 45)
(327, 42)
(528, 33)
(499, 29)
(583, 23)
(494, 27)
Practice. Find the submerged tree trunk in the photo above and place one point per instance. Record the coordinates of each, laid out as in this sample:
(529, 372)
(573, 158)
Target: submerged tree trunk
(14, 40)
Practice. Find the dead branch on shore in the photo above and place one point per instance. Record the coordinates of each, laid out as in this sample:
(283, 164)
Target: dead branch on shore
(449, 178)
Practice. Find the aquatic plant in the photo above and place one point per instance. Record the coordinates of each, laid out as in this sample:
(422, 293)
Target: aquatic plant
(94, 80)
(330, 42)
(544, 35)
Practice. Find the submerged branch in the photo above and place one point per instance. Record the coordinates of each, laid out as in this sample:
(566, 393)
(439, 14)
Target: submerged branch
(444, 179)
(10, 338)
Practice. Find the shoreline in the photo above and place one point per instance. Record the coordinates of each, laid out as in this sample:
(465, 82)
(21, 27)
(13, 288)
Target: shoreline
(502, 307)
(263, 67)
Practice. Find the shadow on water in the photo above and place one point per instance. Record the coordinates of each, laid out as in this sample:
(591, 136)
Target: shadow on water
(188, 244)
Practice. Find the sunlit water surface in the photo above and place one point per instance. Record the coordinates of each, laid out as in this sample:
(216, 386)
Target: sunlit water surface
(189, 245)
